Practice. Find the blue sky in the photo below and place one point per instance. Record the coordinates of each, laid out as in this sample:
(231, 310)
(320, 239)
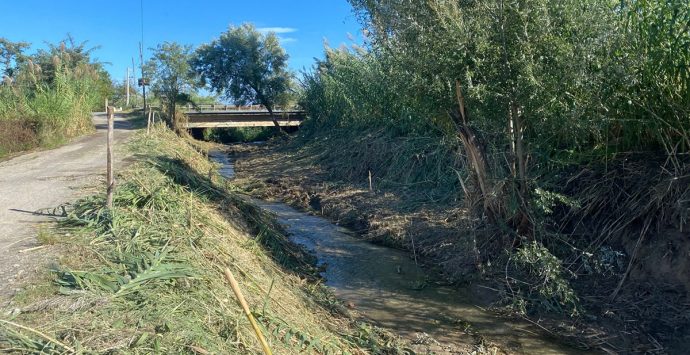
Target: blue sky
(116, 25)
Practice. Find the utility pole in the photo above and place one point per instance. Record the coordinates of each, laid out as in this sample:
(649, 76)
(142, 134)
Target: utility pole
(143, 78)
(134, 80)
(127, 87)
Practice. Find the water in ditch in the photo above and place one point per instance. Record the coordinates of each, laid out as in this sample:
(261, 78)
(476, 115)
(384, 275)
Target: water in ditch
(388, 288)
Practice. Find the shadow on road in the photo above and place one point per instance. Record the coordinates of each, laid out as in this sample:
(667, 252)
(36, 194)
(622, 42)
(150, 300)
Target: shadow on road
(59, 211)
(122, 125)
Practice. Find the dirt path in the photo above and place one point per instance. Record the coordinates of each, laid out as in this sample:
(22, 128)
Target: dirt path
(33, 185)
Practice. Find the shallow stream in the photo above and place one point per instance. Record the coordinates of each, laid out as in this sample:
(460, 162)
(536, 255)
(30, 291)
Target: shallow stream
(387, 287)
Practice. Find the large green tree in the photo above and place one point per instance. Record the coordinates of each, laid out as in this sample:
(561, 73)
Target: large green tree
(173, 81)
(245, 66)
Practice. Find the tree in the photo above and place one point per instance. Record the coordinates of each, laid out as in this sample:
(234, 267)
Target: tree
(245, 66)
(11, 54)
(173, 81)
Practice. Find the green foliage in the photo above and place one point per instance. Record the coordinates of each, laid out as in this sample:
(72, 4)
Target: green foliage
(138, 270)
(238, 135)
(119, 95)
(359, 90)
(173, 80)
(245, 66)
(362, 121)
(547, 281)
(545, 201)
(11, 55)
(548, 87)
(50, 95)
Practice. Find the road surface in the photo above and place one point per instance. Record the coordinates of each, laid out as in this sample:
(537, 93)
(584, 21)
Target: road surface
(33, 185)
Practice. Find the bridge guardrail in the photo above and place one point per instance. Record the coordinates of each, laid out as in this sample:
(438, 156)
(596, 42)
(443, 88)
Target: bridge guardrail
(223, 107)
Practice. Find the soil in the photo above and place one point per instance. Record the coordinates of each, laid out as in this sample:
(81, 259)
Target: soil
(645, 318)
(34, 186)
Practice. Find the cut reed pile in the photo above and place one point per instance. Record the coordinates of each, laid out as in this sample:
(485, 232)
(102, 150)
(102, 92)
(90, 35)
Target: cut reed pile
(147, 275)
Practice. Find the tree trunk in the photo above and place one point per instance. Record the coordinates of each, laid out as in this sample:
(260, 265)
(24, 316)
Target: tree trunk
(517, 129)
(273, 118)
(523, 224)
(475, 154)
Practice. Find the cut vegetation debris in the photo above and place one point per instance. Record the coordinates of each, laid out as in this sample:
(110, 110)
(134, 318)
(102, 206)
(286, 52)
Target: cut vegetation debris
(147, 276)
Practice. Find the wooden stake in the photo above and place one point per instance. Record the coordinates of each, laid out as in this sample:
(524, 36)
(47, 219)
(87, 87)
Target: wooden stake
(148, 123)
(109, 163)
(240, 299)
(371, 187)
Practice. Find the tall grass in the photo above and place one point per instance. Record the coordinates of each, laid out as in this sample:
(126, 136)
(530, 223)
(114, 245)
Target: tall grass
(47, 112)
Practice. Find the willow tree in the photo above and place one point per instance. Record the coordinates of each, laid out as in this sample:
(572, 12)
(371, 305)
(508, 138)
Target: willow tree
(246, 66)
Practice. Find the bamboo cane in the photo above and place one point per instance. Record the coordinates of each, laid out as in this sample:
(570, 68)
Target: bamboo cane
(240, 299)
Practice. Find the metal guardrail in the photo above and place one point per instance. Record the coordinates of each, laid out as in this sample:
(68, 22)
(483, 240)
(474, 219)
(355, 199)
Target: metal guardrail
(247, 118)
(223, 107)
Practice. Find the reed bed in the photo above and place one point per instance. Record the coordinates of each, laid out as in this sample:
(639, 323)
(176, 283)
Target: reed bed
(41, 110)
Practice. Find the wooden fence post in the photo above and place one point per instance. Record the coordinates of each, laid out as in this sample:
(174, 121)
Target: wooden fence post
(109, 169)
(148, 122)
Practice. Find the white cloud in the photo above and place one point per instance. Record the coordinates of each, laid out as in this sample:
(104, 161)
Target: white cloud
(285, 40)
(276, 29)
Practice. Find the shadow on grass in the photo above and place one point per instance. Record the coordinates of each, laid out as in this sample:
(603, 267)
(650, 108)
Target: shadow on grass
(266, 231)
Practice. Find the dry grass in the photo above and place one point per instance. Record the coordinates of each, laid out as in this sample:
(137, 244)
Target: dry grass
(16, 136)
(146, 276)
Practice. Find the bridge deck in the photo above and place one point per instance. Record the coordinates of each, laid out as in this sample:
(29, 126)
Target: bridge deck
(207, 119)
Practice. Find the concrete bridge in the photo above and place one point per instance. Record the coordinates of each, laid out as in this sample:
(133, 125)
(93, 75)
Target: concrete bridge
(212, 116)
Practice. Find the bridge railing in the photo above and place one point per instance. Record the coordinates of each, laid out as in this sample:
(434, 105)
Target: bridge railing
(223, 107)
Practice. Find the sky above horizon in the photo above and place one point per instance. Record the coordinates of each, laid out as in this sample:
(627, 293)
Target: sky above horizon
(302, 25)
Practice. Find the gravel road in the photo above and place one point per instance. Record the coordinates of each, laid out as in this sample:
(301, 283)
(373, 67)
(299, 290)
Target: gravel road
(33, 185)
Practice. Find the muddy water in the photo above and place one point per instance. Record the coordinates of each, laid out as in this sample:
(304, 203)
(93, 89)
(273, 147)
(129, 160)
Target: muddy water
(387, 287)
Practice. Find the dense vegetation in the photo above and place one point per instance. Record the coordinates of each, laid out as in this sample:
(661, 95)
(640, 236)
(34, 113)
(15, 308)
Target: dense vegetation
(47, 98)
(564, 126)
